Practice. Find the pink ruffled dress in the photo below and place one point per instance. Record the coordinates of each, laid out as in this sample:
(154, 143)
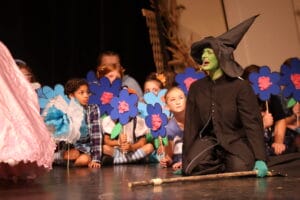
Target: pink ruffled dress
(26, 146)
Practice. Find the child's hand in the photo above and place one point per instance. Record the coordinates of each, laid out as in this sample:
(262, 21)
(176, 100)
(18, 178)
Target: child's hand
(267, 119)
(177, 166)
(165, 162)
(279, 148)
(123, 138)
(93, 164)
(160, 150)
(125, 147)
(261, 167)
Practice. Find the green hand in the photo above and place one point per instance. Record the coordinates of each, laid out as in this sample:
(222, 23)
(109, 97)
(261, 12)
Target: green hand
(261, 167)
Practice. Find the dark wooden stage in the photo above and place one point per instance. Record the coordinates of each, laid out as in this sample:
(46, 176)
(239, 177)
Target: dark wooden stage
(111, 182)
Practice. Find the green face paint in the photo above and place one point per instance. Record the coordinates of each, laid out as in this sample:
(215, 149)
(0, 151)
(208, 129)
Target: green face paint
(209, 60)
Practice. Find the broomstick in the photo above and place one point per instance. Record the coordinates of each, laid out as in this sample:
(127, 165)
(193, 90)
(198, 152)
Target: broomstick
(159, 181)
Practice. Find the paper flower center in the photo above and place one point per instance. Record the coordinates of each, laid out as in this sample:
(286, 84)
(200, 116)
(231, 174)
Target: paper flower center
(123, 106)
(188, 82)
(106, 97)
(156, 121)
(264, 82)
(295, 78)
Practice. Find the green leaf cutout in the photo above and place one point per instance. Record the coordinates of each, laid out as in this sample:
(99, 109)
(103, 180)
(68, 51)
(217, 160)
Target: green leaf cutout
(156, 143)
(116, 131)
(149, 137)
(291, 102)
(165, 141)
(103, 116)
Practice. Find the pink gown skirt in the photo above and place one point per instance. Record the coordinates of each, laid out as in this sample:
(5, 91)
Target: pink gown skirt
(26, 146)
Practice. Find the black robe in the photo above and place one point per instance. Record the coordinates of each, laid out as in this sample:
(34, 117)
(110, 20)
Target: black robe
(232, 107)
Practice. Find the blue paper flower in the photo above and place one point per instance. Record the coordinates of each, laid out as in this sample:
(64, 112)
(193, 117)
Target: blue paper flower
(124, 107)
(156, 120)
(46, 93)
(65, 120)
(265, 83)
(59, 120)
(152, 99)
(91, 77)
(103, 92)
(290, 78)
(186, 78)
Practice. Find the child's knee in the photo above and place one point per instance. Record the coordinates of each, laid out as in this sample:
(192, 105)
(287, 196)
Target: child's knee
(83, 160)
(72, 154)
(108, 150)
(148, 148)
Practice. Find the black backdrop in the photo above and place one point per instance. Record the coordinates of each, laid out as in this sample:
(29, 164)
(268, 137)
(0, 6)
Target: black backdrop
(61, 39)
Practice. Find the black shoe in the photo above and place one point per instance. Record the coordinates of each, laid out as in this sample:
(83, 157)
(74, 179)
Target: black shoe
(107, 160)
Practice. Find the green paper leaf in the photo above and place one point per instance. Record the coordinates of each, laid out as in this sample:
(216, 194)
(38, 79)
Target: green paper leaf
(116, 131)
(103, 116)
(149, 137)
(165, 141)
(291, 102)
(156, 143)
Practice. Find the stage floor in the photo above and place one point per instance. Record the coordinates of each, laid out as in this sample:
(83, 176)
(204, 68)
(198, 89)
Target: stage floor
(111, 182)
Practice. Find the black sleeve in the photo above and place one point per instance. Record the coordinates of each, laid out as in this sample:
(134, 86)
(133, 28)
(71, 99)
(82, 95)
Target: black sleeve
(276, 108)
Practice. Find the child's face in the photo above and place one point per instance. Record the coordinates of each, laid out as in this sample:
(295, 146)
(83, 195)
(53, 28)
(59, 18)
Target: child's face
(27, 74)
(152, 86)
(113, 75)
(176, 101)
(110, 60)
(82, 95)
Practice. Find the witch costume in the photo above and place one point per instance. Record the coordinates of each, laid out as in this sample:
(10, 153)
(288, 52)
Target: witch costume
(223, 124)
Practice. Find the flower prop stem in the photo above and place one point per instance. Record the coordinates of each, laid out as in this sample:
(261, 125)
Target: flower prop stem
(125, 135)
(161, 144)
(297, 116)
(68, 161)
(161, 150)
(267, 106)
(267, 110)
(160, 140)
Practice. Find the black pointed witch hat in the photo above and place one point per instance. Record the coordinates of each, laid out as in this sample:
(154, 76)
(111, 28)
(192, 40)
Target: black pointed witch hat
(223, 46)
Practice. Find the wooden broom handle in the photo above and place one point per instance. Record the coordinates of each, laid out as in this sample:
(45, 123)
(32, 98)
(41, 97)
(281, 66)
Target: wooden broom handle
(159, 181)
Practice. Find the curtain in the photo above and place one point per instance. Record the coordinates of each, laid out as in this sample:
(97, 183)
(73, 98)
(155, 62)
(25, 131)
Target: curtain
(62, 39)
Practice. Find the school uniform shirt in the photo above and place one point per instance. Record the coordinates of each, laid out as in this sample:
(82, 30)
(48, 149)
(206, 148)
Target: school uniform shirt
(175, 134)
(91, 139)
(141, 128)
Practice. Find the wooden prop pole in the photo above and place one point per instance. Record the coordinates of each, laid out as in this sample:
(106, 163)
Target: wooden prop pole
(159, 181)
(267, 110)
(161, 145)
(297, 115)
(267, 106)
(124, 152)
(68, 162)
